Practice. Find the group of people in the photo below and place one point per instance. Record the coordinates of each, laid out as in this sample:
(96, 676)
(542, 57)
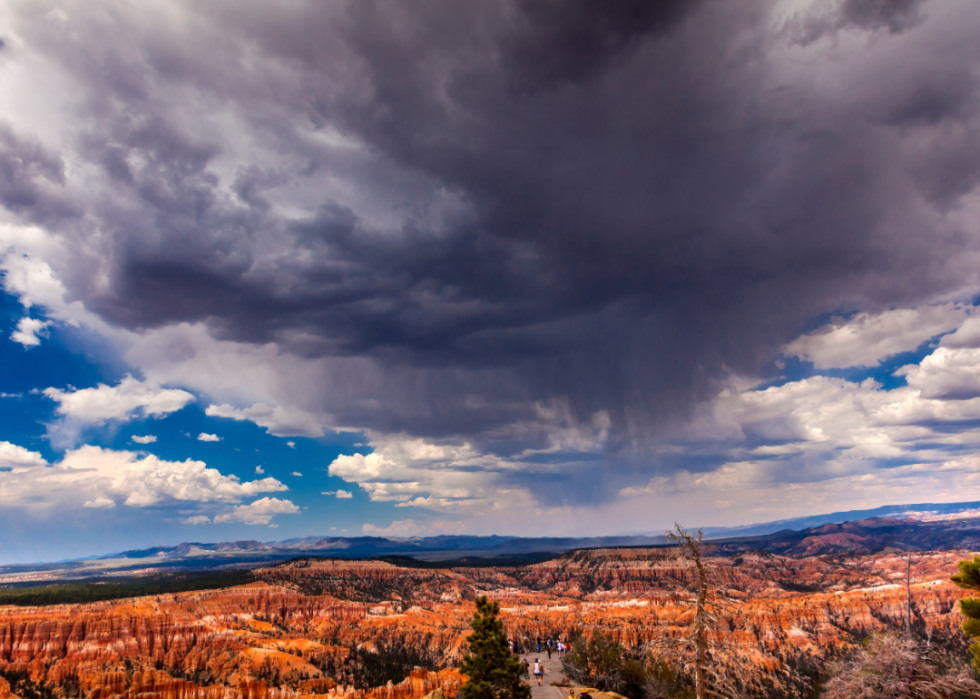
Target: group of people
(548, 644)
(537, 669)
(552, 645)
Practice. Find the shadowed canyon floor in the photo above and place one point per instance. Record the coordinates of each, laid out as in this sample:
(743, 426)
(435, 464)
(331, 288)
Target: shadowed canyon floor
(301, 630)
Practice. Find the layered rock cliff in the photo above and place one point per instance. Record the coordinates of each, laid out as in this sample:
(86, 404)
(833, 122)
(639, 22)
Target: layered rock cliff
(294, 634)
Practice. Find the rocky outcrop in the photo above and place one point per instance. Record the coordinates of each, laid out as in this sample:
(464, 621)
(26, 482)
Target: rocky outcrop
(292, 635)
(366, 581)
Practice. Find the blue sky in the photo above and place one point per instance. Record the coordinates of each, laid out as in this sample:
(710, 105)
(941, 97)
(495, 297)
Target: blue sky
(66, 358)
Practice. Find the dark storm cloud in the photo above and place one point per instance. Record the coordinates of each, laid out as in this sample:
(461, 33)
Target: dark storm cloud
(827, 18)
(557, 41)
(31, 178)
(894, 15)
(606, 205)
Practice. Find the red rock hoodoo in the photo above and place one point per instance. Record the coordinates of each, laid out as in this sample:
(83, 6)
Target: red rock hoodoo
(293, 634)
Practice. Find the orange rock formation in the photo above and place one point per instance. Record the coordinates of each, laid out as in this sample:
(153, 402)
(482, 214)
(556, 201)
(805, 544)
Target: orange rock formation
(276, 639)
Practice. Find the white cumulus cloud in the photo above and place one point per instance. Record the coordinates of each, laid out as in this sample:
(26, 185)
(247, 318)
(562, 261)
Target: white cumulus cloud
(259, 470)
(144, 439)
(297, 474)
(28, 331)
(259, 512)
(205, 437)
(102, 478)
(127, 400)
(339, 494)
(867, 338)
(411, 527)
(280, 421)
(966, 336)
(416, 473)
(130, 399)
(14, 457)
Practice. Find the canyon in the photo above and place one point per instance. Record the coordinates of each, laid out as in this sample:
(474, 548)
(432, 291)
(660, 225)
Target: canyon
(300, 628)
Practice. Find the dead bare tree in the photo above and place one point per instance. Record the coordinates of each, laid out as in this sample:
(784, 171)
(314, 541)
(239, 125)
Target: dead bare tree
(908, 596)
(694, 549)
(710, 646)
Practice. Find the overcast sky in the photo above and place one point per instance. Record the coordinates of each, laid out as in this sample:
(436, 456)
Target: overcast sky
(543, 267)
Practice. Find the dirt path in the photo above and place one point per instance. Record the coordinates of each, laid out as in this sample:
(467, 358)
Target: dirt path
(552, 673)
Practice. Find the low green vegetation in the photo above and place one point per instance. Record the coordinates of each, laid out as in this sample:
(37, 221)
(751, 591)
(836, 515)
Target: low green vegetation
(376, 669)
(364, 668)
(22, 686)
(602, 663)
(43, 594)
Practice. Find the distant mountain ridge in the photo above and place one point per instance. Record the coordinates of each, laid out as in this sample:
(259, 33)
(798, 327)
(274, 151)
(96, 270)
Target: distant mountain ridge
(920, 511)
(430, 547)
(925, 526)
(862, 537)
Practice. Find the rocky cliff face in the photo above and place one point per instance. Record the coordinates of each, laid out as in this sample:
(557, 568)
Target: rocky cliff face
(294, 634)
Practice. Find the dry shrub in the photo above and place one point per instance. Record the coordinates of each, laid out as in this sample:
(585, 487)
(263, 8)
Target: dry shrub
(889, 666)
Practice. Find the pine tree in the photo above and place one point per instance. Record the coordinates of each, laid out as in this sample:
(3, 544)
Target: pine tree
(492, 671)
(969, 578)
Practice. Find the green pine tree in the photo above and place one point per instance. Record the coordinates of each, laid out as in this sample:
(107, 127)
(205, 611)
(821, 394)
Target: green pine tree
(969, 578)
(492, 671)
